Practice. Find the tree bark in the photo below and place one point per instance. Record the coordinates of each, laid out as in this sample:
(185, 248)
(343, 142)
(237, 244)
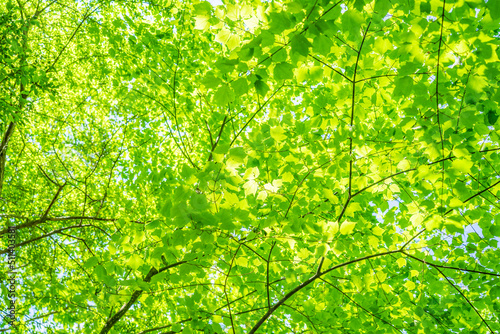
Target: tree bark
(3, 151)
(118, 315)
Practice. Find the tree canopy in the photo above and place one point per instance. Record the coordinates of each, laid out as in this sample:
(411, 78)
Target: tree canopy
(251, 167)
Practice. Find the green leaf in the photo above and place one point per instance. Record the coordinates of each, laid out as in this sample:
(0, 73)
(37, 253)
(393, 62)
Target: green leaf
(359, 4)
(419, 311)
(238, 154)
(300, 45)
(347, 227)
(382, 7)
(495, 230)
(279, 22)
(100, 272)
(280, 55)
(492, 117)
(226, 65)
(477, 83)
(199, 202)
(425, 7)
(210, 81)
(494, 9)
(261, 87)
(462, 165)
(135, 261)
(224, 95)
(495, 292)
(322, 45)
(202, 8)
(240, 86)
(283, 71)
(246, 53)
(403, 86)
(91, 262)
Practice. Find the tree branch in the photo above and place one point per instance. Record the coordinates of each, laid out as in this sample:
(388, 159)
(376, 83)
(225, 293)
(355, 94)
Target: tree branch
(163, 327)
(448, 267)
(117, 316)
(309, 281)
(45, 236)
(267, 276)
(466, 299)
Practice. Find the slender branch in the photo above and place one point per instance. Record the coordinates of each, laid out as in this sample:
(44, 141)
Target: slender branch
(349, 194)
(330, 67)
(462, 100)
(320, 265)
(267, 276)
(255, 114)
(466, 299)
(281, 302)
(118, 315)
(214, 145)
(344, 208)
(41, 10)
(56, 219)
(303, 31)
(382, 180)
(309, 281)
(163, 327)
(54, 199)
(35, 222)
(154, 100)
(361, 307)
(448, 267)
(246, 295)
(47, 176)
(437, 107)
(302, 314)
(43, 237)
(475, 195)
(482, 191)
(80, 218)
(413, 238)
(295, 193)
(85, 17)
(251, 310)
(225, 289)
(388, 75)
(210, 134)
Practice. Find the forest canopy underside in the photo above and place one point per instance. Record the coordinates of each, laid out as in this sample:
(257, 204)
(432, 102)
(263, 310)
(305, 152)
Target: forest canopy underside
(306, 166)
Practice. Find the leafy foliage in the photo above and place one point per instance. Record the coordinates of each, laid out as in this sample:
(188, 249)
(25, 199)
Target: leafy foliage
(252, 167)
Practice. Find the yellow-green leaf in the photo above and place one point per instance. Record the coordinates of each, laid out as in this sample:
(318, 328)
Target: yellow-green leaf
(347, 227)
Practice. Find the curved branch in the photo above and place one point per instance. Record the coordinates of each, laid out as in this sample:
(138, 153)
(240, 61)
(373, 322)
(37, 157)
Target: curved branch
(44, 236)
(118, 315)
(448, 267)
(309, 281)
(466, 299)
(56, 219)
(361, 307)
(35, 222)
